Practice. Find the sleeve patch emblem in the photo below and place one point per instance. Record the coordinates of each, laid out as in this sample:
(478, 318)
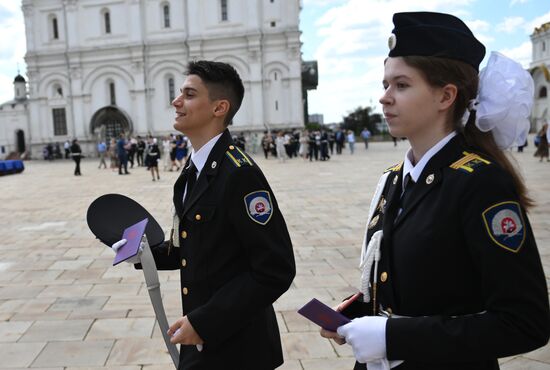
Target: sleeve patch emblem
(504, 223)
(259, 206)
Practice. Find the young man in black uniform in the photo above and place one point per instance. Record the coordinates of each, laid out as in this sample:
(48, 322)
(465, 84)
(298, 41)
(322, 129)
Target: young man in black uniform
(229, 240)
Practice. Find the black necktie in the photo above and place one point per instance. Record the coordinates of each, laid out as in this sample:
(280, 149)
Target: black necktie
(408, 184)
(191, 180)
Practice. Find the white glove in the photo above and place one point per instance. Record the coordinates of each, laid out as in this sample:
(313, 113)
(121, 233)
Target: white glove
(135, 259)
(367, 337)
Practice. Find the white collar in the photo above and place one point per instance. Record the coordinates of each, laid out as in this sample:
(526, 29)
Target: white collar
(416, 171)
(199, 157)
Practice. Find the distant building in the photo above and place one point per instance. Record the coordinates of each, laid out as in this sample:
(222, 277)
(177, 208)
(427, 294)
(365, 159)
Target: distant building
(316, 118)
(15, 125)
(100, 67)
(540, 70)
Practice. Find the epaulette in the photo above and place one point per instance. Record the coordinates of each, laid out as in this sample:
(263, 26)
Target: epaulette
(238, 157)
(469, 162)
(395, 168)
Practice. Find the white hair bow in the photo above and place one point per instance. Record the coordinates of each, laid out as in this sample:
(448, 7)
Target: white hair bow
(504, 101)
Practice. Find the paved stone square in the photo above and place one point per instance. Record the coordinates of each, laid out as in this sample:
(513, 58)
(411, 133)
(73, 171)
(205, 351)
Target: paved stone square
(64, 307)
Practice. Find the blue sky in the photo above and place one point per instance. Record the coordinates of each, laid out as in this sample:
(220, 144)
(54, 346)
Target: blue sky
(348, 38)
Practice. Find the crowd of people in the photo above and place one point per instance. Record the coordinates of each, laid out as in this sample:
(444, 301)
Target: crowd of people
(172, 152)
(308, 144)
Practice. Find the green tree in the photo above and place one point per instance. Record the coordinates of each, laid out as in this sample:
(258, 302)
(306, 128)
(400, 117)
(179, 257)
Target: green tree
(361, 118)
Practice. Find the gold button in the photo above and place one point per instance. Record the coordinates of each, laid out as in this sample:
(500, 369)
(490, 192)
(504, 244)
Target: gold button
(198, 217)
(185, 291)
(183, 262)
(384, 277)
(231, 147)
(184, 234)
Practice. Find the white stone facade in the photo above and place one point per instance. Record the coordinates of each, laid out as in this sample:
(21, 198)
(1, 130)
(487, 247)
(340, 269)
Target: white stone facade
(116, 63)
(540, 70)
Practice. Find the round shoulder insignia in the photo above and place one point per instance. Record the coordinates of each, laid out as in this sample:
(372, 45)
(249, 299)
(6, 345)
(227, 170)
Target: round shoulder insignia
(505, 226)
(392, 41)
(259, 206)
(430, 179)
(214, 164)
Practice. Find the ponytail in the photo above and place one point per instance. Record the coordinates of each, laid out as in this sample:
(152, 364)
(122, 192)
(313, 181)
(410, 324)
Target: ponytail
(485, 143)
(442, 71)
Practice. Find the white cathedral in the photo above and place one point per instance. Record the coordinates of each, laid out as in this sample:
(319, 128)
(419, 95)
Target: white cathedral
(99, 67)
(540, 70)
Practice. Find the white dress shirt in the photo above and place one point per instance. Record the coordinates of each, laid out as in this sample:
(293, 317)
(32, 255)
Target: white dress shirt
(200, 156)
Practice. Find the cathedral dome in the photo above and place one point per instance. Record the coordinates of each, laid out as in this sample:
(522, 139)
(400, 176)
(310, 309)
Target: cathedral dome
(19, 78)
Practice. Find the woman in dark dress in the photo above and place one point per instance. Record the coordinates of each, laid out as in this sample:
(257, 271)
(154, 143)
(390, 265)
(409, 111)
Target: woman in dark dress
(76, 154)
(153, 157)
(542, 148)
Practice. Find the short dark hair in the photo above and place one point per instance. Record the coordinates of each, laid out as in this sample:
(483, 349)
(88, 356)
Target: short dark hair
(222, 82)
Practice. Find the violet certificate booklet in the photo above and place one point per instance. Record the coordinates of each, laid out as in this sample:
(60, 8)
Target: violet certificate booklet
(133, 235)
(323, 315)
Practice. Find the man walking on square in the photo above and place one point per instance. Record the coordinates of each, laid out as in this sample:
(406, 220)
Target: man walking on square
(229, 239)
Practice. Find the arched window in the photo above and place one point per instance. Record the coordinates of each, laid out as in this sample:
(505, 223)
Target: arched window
(106, 20)
(166, 15)
(223, 6)
(57, 91)
(112, 93)
(171, 89)
(543, 93)
(55, 29)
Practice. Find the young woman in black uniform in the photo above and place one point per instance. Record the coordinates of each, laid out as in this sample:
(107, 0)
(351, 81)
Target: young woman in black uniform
(452, 277)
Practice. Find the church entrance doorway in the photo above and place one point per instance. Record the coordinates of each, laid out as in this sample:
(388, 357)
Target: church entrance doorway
(20, 141)
(108, 122)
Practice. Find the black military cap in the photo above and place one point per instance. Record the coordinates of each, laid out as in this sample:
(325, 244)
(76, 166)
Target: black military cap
(110, 214)
(435, 35)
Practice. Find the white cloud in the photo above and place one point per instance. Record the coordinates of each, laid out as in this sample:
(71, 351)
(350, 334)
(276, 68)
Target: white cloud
(6, 88)
(537, 22)
(521, 54)
(478, 25)
(510, 24)
(514, 2)
(13, 47)
(353, 46)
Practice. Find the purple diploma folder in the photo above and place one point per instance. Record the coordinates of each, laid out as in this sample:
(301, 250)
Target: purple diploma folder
(133, 236)
(323, 315)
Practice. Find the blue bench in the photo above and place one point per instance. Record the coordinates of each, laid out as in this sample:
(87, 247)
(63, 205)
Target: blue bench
(11, 166)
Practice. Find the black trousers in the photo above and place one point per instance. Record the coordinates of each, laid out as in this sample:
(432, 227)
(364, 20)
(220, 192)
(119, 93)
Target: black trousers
(76, 160)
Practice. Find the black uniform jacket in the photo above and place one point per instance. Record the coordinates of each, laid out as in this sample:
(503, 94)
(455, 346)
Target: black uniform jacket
(234, 262)
(472, 293)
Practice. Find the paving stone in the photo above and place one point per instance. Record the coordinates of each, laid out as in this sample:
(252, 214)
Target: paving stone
(19, 354)
(329, 364)
(75, 290)
(88, 353)
(12, 331)
(20, 291)
(121, 328)
(66, 330)
(102, 314)
(299, 346)
(114, 290)
(139, 352)
(78, 304)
